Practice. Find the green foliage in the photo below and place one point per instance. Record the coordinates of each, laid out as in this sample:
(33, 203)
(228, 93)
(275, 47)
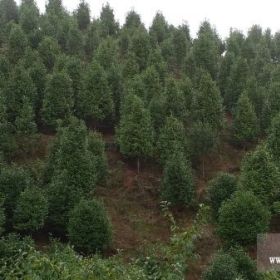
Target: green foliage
(18, 87)
(17, 44)
(83, 15)
(13, 180)
(260, 175)
(29, 16)
(7, 139)
(223, 267)
(89, 228)
(172, 138)
(220, 189)
(241, 218)
(230, 265)
(2, 214)
(273, 139)
(95, 101)
(207, 102)
(26, 127)
(31, 210)
(135, 133)
(58, 100)
(245, 123)
(70, 171)
(206, 49)
(48, 50)
(177, 183)
(8, 11)
(203, 139)
(97, 148)
(109, 27)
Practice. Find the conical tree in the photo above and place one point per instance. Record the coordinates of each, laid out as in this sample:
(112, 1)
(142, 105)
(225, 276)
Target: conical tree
(95, 100)
(109, 26)
(237, 82)
(70, 172)
(135, 132)
(260, 175)
(17, 44)
(29, 16)
(245, 123)
(83, 15)
(172, 138)
(31, 210)
(177, 184)
(8, 11)
(207, 103)
(58, 100)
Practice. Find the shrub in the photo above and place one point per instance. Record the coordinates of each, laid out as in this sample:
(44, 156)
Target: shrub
(89, 228)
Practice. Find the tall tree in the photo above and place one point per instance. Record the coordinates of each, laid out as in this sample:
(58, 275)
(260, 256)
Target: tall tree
(58, 100)
(245, 122)
(83, 15)
(206, 49)
(29, 16)
(95, 99)
(135, 132)
(207, 102)
(177, 185)
(109, 26)
(8, 11)
(273, 140)
(17, 44)
(172, 138)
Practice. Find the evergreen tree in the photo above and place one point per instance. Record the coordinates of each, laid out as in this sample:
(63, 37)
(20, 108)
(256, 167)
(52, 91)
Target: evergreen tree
(83, 15)
(18, 87)
(26, 127)
(177, 185)
(29, 16)
(48, 50)
(260, 175)
(172, 138)
(89, 228)
(220, 189)
(13, 180)
(203, 139)
(237, 82)
(159, 29)
(58, 100)
(70, 172)
(74, 44)
(17, 44)
(206, 49)
(140, 46)
(96, 147)
(132, 20)
(135, 133)
(245, 122)
(242, 218)
(273, 140)
(8, 11)
(7, 139)
(207, 102)
(95, 100)
(175, 100)
(109, 26)
(31, 210)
